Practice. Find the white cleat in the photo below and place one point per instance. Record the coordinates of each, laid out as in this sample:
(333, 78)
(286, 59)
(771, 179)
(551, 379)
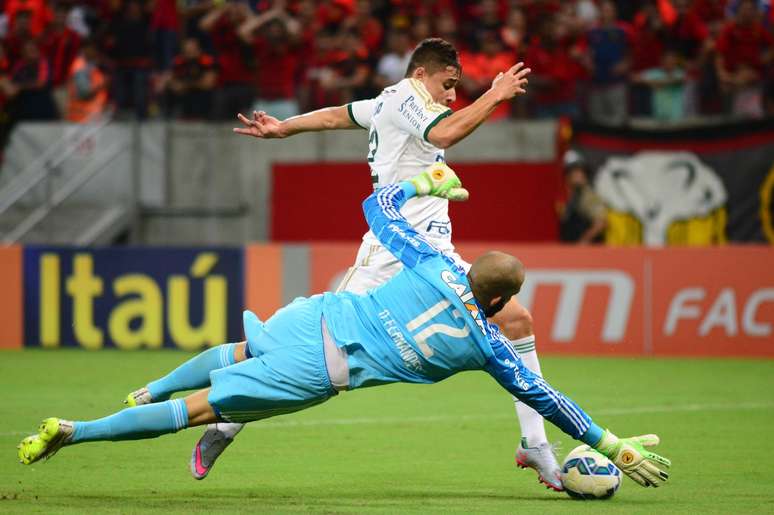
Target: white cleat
(212, 443)
(543, 460)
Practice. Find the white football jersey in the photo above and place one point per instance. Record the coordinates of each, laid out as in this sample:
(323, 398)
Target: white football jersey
(398, 122)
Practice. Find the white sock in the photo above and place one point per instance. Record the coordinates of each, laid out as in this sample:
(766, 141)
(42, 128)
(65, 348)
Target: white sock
(229, 429)
(531, 422)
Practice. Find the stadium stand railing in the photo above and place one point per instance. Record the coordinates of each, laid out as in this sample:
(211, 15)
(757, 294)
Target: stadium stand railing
(34, 205)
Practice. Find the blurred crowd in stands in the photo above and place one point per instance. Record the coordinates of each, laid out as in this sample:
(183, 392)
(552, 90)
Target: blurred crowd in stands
(603, 60)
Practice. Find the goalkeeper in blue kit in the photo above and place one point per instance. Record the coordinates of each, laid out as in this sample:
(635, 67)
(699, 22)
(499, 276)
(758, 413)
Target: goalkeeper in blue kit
(425, 324)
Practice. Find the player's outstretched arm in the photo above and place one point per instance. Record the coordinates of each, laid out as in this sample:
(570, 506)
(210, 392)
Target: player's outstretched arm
(265, 126)
(268, 127)
(629, 454)
(456, 127)
(382, 212)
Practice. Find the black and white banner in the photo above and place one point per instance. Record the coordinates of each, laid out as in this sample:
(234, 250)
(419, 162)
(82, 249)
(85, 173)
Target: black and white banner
(697, 186)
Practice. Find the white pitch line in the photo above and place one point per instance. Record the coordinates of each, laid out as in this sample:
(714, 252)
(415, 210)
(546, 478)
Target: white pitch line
(611, 412)
(269, 424)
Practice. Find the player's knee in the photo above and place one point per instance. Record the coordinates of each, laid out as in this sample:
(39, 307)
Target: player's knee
(199, 410)
(515, 321)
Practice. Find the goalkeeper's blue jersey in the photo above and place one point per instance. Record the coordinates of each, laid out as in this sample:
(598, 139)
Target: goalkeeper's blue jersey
(424, 324)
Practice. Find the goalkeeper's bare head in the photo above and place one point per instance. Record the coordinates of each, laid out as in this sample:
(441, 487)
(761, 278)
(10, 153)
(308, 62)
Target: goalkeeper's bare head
(435, 63)
(494, 278)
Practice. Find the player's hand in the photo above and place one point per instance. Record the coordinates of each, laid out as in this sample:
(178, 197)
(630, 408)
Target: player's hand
(511, 83)
(439, 180)
(630, 455)
(261, 126)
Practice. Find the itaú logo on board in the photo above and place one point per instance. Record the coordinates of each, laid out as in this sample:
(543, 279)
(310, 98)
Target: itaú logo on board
(573, 284)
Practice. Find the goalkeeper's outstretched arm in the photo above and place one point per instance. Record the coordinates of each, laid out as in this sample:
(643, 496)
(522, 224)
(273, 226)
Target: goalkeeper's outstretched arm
(629, 454)
(382, 212)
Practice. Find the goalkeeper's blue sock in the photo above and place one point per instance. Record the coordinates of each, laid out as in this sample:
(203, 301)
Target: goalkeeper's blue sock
(137, 423)
(194, 373)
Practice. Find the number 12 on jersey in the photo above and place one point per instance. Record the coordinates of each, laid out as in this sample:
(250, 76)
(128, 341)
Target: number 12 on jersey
(424, 335)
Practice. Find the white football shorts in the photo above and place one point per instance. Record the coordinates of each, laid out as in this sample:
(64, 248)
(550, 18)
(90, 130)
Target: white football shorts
(375, 265)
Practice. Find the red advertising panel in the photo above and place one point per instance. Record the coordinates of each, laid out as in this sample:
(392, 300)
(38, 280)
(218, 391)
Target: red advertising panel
(263, 279)
(583, 300)
(509, 202)
(11, 305)
(318, 201)
(713, 302)
(592, 300)
(328, 263)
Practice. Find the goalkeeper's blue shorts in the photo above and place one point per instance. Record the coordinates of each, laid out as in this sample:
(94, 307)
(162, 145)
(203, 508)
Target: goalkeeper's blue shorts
(286, 370)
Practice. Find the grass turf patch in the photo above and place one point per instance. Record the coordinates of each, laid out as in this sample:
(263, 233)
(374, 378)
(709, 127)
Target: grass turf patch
(396, 449)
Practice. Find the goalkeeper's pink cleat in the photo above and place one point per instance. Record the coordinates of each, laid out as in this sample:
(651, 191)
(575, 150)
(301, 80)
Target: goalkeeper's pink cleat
(212, 443)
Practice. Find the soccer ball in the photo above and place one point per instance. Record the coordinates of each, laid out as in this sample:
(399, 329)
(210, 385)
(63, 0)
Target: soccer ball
(587, 474)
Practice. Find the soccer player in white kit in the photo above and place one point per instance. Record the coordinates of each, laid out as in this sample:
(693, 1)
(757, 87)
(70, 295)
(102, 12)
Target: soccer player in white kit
(409, 125)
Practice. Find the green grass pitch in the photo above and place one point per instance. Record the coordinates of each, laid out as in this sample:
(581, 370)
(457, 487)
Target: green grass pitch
(446, 448)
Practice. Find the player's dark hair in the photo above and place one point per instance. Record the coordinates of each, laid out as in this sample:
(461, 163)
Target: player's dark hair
(434, 55)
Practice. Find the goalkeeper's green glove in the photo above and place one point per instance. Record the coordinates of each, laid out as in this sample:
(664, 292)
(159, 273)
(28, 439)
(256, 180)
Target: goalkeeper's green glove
(630, 455)
(439, 180)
